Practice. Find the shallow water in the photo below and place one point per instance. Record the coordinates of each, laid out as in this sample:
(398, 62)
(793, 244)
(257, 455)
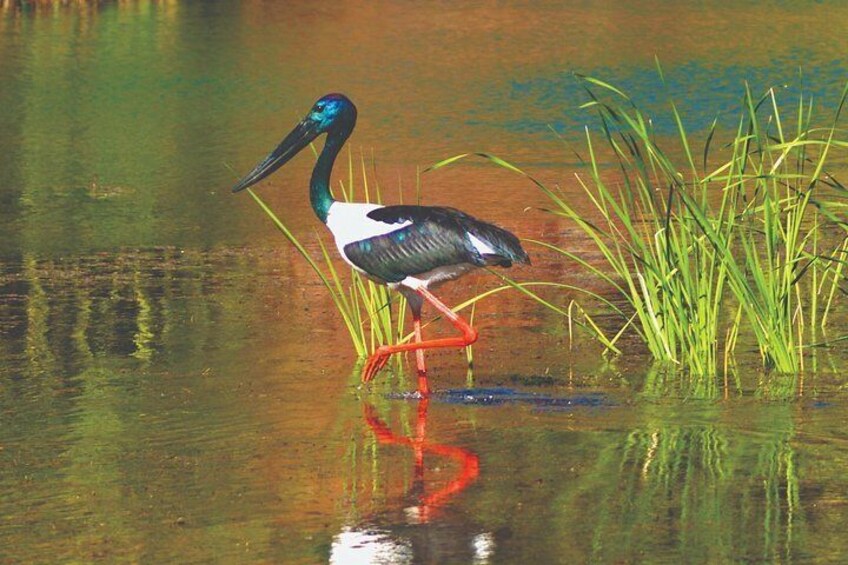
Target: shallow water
(175, 386)
(164, 406)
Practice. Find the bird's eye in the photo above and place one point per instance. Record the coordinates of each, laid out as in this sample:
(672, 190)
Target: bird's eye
(319, 108)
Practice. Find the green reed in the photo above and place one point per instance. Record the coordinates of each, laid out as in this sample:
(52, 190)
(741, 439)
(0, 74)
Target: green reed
(703, 248)
(369, 313)
(687, 236)
(699, 245)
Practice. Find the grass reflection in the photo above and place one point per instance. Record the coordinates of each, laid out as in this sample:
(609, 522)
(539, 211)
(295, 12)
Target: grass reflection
(93, 469)
(704, 480)
(105, 448)
(156, 450)
(39, 354)
(59, 314)
(663, 381)
(689, 490)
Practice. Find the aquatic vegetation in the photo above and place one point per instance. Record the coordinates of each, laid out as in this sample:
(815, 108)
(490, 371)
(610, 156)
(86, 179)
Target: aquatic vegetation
(702, 247)
(371, 315)
(701, 250)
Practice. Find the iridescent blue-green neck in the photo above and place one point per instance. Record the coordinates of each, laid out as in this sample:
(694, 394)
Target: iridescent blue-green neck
(319, 186)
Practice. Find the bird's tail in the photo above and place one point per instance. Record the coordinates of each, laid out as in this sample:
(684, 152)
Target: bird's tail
(505, 246)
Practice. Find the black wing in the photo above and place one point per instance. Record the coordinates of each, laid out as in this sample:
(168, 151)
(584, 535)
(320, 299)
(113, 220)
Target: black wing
(437, 237)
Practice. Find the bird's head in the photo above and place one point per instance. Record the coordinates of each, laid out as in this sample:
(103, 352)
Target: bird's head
(333, 114)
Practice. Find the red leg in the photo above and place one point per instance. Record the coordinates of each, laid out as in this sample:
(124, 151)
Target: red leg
(469, 335)
(423, 385)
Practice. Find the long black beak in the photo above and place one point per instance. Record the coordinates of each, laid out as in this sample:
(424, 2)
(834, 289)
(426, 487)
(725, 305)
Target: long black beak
(299, 138)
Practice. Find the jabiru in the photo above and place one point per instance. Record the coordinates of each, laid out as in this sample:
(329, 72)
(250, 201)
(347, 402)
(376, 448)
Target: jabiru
(408, 248)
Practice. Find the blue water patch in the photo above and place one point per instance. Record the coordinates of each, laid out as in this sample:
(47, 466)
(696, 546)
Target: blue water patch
(499, 396)
(702, 91)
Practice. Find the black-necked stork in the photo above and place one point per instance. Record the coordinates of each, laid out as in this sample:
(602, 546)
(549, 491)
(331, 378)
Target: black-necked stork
(408, 248)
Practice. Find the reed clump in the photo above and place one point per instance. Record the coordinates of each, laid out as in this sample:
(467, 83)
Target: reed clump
(371, 316)
(705, 246)
(731, 239)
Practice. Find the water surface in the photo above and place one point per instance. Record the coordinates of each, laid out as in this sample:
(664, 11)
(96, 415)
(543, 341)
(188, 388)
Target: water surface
(175, 386)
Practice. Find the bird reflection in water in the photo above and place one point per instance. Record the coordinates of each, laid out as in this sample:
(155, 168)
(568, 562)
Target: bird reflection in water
(371, 542)
(469, 463)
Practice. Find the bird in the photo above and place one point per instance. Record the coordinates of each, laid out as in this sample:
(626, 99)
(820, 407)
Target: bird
(409, 248)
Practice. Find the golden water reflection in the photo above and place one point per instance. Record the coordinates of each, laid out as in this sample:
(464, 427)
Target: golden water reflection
(140, 422)
(174, 386)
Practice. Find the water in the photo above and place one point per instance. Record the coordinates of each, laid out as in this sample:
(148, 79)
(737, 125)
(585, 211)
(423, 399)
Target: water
(174, 385)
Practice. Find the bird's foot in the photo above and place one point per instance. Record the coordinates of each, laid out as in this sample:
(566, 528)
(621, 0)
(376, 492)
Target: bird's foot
(376, 362)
